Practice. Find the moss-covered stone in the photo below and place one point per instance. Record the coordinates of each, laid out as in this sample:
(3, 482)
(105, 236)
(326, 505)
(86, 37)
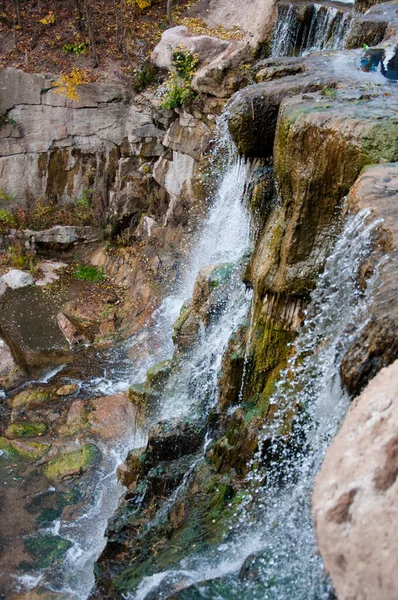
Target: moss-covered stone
(45, 550)
(24, 450)
(158, 374)
(73, 463)
(25, 430)
(31, 397)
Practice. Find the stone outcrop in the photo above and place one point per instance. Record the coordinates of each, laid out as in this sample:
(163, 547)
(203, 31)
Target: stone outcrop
(376, 345)
(254, 18)
(16, 279)
(205, 46)
(356, 493)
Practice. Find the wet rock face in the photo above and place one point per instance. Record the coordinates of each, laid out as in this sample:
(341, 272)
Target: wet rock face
(376, 344)
(356, 493)
(209, 296)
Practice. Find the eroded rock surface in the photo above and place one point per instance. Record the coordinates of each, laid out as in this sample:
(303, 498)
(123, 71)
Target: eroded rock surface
(356, 496)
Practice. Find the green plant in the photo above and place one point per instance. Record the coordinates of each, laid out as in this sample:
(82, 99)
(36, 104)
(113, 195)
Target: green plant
(185, 62)
(5, 196)
(78, 48)
(179, 90)
(6, 120)
(144, 77)
(328, 92)
(7, 220)
(88, 273)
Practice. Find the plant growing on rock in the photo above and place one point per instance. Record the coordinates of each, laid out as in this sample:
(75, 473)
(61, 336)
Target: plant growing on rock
(68, 83)
(179, 90)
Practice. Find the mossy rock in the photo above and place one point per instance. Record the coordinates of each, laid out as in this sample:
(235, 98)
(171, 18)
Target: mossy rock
(31, 398)
(31, 450)
(221, 274)
(73, 463)
(48, 506)
(45, 550)
(158, 374)
(182, 317)
(25, 430)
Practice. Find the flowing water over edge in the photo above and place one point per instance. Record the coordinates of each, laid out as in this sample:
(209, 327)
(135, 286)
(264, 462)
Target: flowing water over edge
(224, 238)
(270, 552)
(327, 29)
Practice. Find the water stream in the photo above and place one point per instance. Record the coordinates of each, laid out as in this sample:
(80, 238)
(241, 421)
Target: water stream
(320, 27)
(224, 238)
(270, 552)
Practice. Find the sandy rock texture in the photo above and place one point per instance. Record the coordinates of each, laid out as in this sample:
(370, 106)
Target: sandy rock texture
(355, 501)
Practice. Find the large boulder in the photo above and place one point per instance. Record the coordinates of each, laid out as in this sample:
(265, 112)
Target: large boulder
(252, 17)
(355, 502)
(16, 279)
(205, 46)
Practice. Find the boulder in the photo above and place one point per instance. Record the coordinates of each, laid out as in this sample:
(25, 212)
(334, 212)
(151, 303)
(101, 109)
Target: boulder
(355, 501)
(113, 416)
(7, 361)
(16, 279)
(253, 112)
(170, 440)
(205, 46)
(74, 333)
(252, 17)
(225, 74)
(188, 135)
(366, 29)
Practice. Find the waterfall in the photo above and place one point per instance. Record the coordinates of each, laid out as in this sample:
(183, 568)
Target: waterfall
(272, 535)
(312, 28)
(224, 237)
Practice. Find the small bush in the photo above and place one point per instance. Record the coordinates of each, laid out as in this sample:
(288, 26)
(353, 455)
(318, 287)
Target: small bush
(88, 273)
(78, 48)
(7, 220)
(144, 77)
(68, 83)
(179, 91)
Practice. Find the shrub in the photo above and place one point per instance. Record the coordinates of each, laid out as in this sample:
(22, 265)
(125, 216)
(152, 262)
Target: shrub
(7, 220)
(78, 48)
(144, 77)
(179, 91)
(68, 83)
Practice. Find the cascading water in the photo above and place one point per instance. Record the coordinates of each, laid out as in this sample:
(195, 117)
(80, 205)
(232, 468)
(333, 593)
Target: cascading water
(318, 28)
(270, 552)
(225, 238)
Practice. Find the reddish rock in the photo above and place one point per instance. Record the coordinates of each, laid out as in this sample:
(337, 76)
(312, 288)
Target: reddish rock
(113, 416)
(355, 502)
(73, 333)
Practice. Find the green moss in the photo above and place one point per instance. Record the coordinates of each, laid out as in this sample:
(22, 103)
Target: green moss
(34, 397)
(220, 275)
(31, 450)
(382, 142)
(159, 373)
(25, 430)
(88, 273)
(45, 550)
(73, 463)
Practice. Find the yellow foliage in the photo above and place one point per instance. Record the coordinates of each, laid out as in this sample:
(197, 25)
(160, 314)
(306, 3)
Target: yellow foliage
(198, 26)
(140, 3)
(49, 19)
(68, 83)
